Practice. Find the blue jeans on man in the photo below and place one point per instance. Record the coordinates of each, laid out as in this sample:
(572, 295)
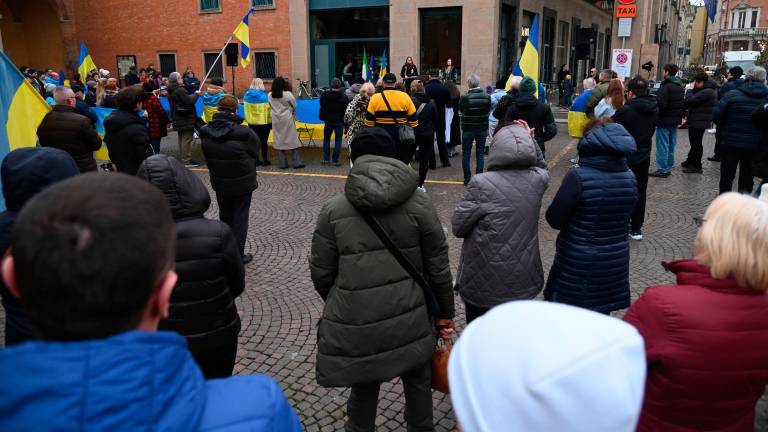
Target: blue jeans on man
(666, 140)
(479, 138)
(338, 130)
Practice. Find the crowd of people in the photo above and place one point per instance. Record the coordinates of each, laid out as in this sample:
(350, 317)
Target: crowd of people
(83, 308)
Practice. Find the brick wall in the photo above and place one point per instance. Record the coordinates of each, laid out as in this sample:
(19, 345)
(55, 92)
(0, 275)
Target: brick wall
(131, 27)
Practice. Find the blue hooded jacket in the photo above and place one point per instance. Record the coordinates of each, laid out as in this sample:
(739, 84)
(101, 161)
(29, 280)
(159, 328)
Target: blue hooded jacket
(592, 211)
(134, 381)
(733, 116)
(25, 172)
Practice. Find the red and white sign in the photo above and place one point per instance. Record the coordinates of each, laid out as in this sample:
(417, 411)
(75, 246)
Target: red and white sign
(621, 62)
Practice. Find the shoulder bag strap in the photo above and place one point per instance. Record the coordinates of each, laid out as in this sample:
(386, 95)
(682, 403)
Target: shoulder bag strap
(386, 102)
(421, 108)
(429, 296)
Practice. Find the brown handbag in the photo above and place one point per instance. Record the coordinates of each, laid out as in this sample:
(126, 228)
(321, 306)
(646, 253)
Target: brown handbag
(440, 365)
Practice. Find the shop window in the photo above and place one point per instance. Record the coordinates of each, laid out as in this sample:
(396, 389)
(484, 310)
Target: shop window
(263, 4)
(562, 43)
(265, 64)
(208, 61)
(210, 6)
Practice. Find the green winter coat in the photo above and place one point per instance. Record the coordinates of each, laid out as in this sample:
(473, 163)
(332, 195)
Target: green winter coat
(375, 324)
(597, 95)
(474, 108)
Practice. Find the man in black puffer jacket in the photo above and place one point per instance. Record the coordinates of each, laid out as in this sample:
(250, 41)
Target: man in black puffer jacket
(735, 81)
(538, 115)
(333, 105)
(700, 103)
(740, 139)
(426, 110)
(639, 117)
(671, 100)
(209, 266)
(126, 133)
(231, 151)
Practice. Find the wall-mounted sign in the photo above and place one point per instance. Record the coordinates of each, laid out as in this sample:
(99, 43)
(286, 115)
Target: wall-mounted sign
(625, 27)
(621, 62)
(626, 11)
(626, 2)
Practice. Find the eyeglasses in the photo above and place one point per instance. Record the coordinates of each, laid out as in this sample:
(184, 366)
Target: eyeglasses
(699, 221)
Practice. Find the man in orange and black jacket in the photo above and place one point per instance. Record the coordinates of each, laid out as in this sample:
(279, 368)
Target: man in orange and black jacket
(400, 111)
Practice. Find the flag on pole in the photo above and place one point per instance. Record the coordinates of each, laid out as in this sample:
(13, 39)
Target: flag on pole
(366, 76)
(711, 6)
(63, 81)
(242, 34)
(371, 66)
(383, 70)
(21, 110)
(528, 65)
(85, 65)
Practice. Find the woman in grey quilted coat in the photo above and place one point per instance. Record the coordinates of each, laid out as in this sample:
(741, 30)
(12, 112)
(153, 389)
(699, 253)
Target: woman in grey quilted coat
(499, 222)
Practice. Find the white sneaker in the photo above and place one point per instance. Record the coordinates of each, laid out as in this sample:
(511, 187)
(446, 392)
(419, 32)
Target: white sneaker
(423, 189)
(636, 235)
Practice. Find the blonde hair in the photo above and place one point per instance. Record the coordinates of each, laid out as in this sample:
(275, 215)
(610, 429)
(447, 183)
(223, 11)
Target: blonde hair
(368, 89)
(257, 84)
(101, 86)
(417, 87)
(733, 240)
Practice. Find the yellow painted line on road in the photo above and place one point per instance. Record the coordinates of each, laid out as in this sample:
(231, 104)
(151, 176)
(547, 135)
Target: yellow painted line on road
(558, 157)
(332, 176)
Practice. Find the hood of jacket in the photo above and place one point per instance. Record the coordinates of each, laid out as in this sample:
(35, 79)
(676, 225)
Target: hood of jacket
(690, 272)
(380, 183)
(673, 80)
(214, 89)
(186, 193)
(120, 120)
(645, 105)
(255, 96)
(26, 172)
(223, 124)
(355, 88)
(131, 381)
(526, 101)
(711, 84)
(513, 148)
(609, 140)
(754, 89)
(597, 377)
(421, 98)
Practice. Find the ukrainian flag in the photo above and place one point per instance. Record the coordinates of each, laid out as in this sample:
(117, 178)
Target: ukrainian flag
(21, 110)
(383, 70)
(243, 35)
(85, 65)
(211, 105)
(529, 61)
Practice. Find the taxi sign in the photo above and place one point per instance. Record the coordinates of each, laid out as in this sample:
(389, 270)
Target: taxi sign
(626, 11)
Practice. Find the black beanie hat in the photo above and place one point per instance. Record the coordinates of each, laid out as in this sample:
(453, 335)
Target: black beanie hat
(372, 141)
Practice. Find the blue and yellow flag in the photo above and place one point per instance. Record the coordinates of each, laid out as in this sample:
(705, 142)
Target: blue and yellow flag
(243, 35)
(21, 110)
(529, 61)
(86, 64)
(384, 62)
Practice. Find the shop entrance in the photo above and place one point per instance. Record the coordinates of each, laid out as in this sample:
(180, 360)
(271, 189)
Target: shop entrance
(440, 38)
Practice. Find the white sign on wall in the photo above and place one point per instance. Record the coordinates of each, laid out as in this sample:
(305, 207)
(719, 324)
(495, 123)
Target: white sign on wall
(621, 62)
(625, 27)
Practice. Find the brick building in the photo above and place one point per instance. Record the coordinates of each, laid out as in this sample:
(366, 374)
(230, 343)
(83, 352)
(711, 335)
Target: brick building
(118, 33)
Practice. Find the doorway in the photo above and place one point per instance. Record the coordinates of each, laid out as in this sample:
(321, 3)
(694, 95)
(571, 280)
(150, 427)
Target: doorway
(548, 45)
(440, 38)
(507, 47)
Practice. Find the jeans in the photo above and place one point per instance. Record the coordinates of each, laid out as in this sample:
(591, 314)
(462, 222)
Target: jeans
(479, 138)
(185, 144)
(696, 137)
(262, 131)
(364, 399)
(338, 131)
(234, 211)
(155, 143)
(282, 156)
(474, 312)
(426, 144)
(731, 159)
(219, 361)
(666, 140)
(641, 175)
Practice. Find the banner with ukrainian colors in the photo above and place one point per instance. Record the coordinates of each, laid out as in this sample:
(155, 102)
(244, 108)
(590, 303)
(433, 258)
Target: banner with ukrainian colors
(21, 110)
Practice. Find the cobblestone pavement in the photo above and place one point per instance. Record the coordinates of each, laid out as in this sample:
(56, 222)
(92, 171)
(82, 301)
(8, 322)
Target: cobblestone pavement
(280, 308)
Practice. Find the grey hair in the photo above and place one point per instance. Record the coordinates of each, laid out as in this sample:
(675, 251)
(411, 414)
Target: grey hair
(756, 73)
(589, 83)
(61, 94)
(473, 81)
(174, 77)
(607, 73)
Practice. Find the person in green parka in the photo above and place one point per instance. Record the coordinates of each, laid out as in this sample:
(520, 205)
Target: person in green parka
(376, 325)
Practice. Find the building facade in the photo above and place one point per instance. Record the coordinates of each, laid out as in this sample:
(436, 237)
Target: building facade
(480, 36)
(740, 25)
(121, 33)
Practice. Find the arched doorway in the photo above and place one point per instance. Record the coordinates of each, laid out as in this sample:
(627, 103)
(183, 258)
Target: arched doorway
(32, 33)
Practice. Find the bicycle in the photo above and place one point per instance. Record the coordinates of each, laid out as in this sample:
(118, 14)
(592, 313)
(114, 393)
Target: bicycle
(304, 91)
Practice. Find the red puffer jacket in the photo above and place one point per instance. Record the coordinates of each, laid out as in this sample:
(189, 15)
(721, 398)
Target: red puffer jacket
(707, 346)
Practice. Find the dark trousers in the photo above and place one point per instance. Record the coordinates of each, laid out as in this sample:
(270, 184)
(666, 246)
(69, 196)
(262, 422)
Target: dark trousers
(442, 148)
(474, 312)
(718, 140)
(426, 144)
(262, 131)
(234, 211)
(219, 361)
(696, 137)
(364, 399)
(731, 159)
(641, 176)
(338, 131)
(155, 143)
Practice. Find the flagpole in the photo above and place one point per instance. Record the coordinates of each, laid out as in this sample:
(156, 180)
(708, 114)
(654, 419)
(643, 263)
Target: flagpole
(202, 83)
